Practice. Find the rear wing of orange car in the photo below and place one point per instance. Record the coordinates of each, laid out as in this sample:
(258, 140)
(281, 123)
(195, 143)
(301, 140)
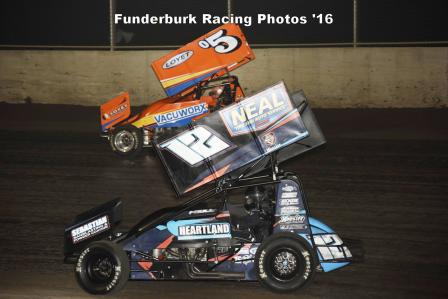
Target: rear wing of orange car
(211, 55)
(115, 111)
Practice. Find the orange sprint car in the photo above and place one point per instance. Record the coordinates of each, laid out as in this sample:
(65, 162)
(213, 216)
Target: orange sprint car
(197, 81)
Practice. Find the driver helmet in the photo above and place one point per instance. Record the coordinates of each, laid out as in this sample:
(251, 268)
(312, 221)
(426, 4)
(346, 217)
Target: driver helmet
(253, 197)
(216, 91)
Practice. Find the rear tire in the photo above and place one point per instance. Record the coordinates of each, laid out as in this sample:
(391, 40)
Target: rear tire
(284, 263)
(126, 141)
(102, 268)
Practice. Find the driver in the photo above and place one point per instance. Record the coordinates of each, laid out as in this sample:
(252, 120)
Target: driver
(216, 92)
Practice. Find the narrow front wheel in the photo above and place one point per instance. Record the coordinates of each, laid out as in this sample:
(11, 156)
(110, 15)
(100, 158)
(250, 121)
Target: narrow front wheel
(126, 140)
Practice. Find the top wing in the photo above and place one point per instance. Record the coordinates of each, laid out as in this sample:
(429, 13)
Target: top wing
(213, 54)
(227, 141)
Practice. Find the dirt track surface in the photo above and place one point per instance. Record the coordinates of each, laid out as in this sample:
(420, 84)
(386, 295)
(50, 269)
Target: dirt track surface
(382, 178)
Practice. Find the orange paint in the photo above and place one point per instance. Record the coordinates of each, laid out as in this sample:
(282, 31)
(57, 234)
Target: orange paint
(215, 53)
(181, 72)
(166, 243)
(145, 265)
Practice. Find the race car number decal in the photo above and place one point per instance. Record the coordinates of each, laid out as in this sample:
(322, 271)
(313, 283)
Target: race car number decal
(196, 145)
(221, 42)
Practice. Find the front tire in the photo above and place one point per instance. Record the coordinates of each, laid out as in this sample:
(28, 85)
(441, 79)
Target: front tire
(102, 268)
(126, 140)
(284, 263)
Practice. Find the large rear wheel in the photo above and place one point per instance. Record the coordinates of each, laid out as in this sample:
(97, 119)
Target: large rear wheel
(284, 263)
(102, 268)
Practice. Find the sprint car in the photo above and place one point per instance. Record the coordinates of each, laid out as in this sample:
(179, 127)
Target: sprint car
(197, 81)
(245, 220)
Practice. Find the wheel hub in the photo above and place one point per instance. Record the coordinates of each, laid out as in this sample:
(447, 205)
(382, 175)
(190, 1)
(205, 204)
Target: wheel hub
(124, 141)
(285, 263)
(102, 269)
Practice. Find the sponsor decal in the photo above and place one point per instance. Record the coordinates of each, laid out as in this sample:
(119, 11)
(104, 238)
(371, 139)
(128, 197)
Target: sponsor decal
(78, 267)
(289, 194)
(269, 139)
(288, 188)
(196, 145)
(289, 201)
(307, 257)
(204, 231)
(203, 211)
(292, 226)
(178, 59)
(289, 210)
(257, 112)
(174, 116)
(292, 219)
(90, 229)
(261, 263)
(245, 256)
(117, 110)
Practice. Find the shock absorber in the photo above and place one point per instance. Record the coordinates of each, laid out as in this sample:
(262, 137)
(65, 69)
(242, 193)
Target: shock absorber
(147, 136)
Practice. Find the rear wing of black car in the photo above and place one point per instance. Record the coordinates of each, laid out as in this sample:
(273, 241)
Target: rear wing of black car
(228, 142)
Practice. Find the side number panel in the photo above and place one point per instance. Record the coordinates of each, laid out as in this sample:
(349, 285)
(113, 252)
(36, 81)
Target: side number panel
(194, 146)
(221, 42)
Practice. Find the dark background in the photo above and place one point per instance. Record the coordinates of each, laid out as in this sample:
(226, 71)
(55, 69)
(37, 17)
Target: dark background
(49, 22)
(402, 20)
(84, 23)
